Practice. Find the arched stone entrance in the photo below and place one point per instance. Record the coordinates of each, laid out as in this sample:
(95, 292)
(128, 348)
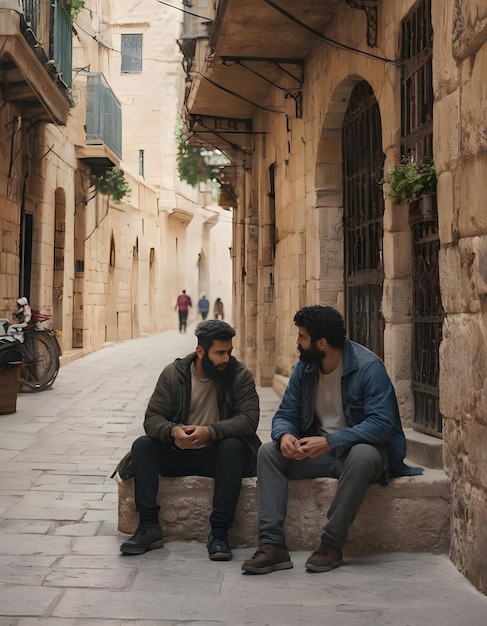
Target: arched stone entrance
(351, 207)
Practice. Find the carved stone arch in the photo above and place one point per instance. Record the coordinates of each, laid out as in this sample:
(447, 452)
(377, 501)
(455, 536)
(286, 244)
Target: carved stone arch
(351, 207)
(329, 196)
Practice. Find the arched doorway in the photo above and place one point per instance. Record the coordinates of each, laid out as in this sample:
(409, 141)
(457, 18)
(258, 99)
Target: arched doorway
(59, 246)
(135, 290)
(363, 211)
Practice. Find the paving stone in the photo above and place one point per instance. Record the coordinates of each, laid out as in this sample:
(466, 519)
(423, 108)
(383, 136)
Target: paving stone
(35, 512)
(36, 527)
(33, 544)
(26, 600)
(92, 578)
(83, 529)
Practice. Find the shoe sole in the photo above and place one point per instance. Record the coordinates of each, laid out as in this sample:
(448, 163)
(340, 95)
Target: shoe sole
(221, 556)
(323, 568)
(153, 546)
(267, 570)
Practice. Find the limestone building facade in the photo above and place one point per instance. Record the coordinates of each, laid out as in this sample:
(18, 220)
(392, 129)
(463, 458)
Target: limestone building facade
(314, 102)
(82, 94)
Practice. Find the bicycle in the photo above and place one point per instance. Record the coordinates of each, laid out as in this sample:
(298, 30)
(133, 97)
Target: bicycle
(33, 344)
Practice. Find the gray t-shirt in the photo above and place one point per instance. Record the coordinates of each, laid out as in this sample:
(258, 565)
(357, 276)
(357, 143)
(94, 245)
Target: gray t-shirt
(203, 407)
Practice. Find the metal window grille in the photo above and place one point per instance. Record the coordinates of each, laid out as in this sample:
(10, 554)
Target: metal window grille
(417, 140)
(141, 163)
(131, 54)
(363, 218)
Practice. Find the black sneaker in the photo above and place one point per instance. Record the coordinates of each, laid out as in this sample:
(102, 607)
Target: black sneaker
(268, 558)
(148, 536)
(218, 547)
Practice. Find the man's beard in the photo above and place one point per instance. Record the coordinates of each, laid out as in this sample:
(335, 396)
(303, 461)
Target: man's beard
(312, 355)
(211, 371)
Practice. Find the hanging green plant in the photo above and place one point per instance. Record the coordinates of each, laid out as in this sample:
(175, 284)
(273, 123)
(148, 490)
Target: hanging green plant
(409, 180)
(112, 183)
(195, 164)
(75, 7)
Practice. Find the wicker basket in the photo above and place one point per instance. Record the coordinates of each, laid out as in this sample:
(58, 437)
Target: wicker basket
(9, 387)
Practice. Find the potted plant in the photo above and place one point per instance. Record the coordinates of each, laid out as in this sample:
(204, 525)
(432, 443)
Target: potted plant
(408, 181)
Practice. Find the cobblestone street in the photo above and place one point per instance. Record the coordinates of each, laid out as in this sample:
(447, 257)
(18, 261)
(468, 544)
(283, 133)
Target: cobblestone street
(59, 546)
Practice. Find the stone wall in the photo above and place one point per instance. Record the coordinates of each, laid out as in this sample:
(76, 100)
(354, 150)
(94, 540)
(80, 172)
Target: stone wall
(461, 158)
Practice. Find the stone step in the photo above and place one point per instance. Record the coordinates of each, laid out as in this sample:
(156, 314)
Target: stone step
(424, 450)
(411, 514)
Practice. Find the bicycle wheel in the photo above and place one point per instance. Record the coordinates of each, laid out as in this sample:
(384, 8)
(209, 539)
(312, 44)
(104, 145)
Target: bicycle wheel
(41, 362)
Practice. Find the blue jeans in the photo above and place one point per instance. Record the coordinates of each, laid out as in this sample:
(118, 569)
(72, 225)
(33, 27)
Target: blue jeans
(226, 461)
(362, 465)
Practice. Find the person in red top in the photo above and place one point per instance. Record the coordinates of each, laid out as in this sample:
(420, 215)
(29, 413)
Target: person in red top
(182, 307)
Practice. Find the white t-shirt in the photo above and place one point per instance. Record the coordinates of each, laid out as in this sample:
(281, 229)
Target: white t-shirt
(329, 415)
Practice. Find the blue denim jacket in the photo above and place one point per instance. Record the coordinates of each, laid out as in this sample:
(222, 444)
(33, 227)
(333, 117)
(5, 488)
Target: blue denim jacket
(369, 405)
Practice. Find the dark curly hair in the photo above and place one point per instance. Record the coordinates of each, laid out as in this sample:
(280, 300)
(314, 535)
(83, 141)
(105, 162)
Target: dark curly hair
(322, 322)
(213, 330)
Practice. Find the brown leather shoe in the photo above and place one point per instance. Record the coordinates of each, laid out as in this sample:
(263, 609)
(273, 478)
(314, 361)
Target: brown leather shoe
(324, 559)
(268, 558)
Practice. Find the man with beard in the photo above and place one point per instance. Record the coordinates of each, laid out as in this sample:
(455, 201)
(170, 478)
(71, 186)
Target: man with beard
(337, 418)
(201, 421)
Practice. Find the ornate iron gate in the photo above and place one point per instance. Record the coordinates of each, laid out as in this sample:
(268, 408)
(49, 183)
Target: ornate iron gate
(417, 140)
(363, 218)
(427, 316)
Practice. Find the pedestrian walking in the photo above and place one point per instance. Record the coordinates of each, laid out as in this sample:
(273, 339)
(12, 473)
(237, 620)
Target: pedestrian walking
(218, 310)
(182, 307)
(203, 306)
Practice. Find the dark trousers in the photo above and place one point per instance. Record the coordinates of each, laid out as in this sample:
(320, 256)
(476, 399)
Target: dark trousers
(183, 316)
(362, 465)
(226, 461)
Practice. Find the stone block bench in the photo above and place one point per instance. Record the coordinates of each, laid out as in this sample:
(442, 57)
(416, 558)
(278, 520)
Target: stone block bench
(411, 514)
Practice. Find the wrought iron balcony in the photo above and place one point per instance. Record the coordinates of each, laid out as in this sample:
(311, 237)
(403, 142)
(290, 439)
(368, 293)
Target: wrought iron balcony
(103, 114)
(47, 28)
(35, 58)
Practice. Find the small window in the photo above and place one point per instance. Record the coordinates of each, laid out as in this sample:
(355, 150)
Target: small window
(141, 163)
(131, 54)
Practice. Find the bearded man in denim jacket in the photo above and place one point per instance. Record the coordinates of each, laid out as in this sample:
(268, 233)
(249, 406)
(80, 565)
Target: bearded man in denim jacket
(337, 418)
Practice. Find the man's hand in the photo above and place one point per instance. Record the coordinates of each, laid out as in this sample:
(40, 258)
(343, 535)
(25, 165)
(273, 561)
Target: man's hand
(290, 447)
(306, 448)
(186, 436)
(314, 446)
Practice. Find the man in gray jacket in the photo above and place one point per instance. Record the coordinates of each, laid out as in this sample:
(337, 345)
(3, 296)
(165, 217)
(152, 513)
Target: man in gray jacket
(201, 421)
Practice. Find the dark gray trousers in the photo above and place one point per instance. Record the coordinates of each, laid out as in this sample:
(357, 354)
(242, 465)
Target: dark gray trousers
(362, 465)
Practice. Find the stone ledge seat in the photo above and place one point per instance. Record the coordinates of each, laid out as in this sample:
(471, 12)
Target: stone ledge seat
(410, 514)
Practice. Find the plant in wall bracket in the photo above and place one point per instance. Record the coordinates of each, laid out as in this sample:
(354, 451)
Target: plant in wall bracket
(195, 164)
(408, 181)
(73, 8)
(112, 183)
